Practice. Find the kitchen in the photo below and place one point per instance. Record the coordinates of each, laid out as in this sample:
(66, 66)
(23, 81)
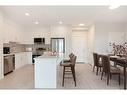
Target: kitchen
(17, 55)
(28, 48)
(91, 24)
(25, 37)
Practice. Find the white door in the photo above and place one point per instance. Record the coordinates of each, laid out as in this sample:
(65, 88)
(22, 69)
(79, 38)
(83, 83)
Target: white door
(79, 45)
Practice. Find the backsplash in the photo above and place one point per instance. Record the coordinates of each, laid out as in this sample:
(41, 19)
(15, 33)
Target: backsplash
(15, 47)
(39, 48)
(35, 48)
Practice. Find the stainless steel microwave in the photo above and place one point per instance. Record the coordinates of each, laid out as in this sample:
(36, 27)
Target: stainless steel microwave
(39, 40)
(6, 50)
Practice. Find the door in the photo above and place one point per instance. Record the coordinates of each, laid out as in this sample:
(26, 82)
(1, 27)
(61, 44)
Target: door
(79, 45)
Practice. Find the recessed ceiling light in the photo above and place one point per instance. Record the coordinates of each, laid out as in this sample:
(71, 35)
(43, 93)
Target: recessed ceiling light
(81, 24)
(60, 22)
(113, 6)
(36, 22)
(27, 14)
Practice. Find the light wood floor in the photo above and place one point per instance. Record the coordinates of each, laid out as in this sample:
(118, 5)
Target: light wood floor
(23, 78)
(87, 79)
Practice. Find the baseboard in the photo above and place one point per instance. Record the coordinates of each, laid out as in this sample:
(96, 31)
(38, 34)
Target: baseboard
(90, 64)
(80, 62)
(84, 63)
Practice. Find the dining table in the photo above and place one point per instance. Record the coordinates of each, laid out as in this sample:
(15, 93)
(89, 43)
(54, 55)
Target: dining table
(121, 61)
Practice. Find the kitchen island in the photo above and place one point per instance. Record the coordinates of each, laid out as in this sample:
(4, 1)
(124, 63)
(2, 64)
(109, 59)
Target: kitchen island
(46, 70)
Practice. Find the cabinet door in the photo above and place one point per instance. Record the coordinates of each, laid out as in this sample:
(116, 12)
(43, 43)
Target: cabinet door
(18, 60)
(29, 57)
(47, 40)
(23, 58)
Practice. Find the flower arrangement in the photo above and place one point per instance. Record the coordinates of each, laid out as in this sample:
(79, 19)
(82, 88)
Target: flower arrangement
(119, 49)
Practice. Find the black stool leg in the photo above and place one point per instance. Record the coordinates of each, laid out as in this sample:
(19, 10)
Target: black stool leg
(97, 70)
(73, 73)
(102, 75)
(93, 68)
(108, 75)
(119, 79)
(63, 75)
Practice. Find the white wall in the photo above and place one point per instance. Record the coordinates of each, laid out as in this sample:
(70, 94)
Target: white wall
(91, 38)
(101, 38)
(101, 34)
(1, 45)
(126, 32)
(117, 33)
(108, 32)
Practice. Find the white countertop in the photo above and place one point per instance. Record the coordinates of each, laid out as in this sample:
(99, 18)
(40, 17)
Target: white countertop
(50, 56)
(8, 54)
(14, 53)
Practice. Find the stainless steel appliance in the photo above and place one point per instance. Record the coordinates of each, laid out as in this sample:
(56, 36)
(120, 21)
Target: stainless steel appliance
(9, 64)
(6, 50)
(34, 56)
(58, 45)
(39, 40)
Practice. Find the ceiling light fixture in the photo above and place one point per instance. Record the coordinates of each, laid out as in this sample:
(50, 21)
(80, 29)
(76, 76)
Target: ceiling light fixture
(36, 22)
(81, 24)
(113, 6)
(60, 22)
(27, 14)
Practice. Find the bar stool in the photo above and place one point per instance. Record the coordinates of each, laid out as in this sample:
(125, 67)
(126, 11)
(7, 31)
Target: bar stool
(71, 65)
(68, 60)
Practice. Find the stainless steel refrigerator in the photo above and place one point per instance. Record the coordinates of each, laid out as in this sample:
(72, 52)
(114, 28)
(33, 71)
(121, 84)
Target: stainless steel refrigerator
(58, 45)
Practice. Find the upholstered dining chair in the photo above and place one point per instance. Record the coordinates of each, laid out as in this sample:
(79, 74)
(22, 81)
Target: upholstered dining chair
(108, 69)
(71, 65)
(97, 64)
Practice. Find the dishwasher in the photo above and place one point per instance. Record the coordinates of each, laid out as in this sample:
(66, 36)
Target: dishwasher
(9, 64)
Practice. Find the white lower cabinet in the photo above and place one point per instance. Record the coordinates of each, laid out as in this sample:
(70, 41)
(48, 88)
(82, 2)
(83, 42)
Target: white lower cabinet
(23, 58)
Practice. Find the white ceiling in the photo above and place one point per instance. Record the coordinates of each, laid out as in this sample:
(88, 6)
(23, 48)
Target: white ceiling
(70, 15)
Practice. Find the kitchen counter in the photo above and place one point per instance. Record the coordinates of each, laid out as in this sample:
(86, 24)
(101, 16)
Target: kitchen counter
(15, 53)
(8, 54)
(47, 56)
(46, 70)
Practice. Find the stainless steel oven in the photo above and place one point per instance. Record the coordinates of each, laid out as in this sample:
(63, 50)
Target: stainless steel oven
(6, 50)
(9, 63)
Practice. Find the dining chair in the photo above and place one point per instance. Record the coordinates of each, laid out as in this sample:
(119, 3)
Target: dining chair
(97, 64)
(108, 69)
(71, 65)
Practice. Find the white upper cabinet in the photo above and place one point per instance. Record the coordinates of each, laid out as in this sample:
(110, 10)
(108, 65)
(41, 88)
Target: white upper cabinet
(30, 34)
